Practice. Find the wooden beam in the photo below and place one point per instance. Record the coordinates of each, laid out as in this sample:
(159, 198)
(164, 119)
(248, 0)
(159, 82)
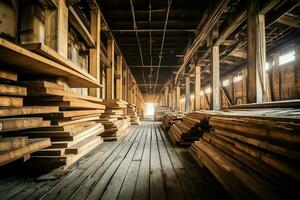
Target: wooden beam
(62, 28)
(235, 23)
(256, 53)
(197, 98)
(81, 28)
(125, 82)
(215, 79)
(166, 101)
(94, 57)
(178, 97)
(119, 89)
(187, 94)
(110, 71)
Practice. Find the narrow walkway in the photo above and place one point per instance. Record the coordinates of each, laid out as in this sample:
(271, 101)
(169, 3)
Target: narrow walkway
(141, 165)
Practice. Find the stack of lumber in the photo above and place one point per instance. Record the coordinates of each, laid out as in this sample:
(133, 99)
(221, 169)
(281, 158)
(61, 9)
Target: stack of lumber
(15, 117)
(169, 119)
(114, 119)
(255, 155)
(74, 130)
(140, 112)
(190, 128)
(132, 113)
(160, 112)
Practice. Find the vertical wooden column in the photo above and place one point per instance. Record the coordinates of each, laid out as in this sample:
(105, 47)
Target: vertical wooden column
(125, 83)
(51, 28)
(197, 87)
(170, 99)
(94, 57)
(215, 79)
(256, 53)
(187, 93)
(103, 81)
(166, 96)
(178, 97)
(62, 28)
(110, 70)
(174, 98)
(119, 89)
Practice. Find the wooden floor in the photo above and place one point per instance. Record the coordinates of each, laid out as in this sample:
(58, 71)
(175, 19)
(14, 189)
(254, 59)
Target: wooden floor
(141, 165)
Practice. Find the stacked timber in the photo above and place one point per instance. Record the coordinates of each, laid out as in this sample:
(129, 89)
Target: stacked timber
(253, 156)
(15, 117)
(190, 128)
(160, 112)
(74, 130)
(114, 119)
(140, 112)
(169, 119)
(132, 113)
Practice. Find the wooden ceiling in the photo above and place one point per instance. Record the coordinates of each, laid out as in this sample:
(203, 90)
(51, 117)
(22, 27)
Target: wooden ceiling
(141, 47)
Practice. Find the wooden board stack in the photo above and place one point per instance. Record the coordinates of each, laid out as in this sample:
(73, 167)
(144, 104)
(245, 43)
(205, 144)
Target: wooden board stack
(132, 113)
(14, 117)
(190, 128)
(254, 156)
(160, 112)
(114, 119)
(140, 112)
(169, 119)
(74, 130)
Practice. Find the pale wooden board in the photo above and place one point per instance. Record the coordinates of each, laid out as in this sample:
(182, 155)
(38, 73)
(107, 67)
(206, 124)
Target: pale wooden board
(11, 101)
(27, 110)
(22, 60)
(32, 146)
(12, 90)
(8, 76)
(8, 143)
(13, 124)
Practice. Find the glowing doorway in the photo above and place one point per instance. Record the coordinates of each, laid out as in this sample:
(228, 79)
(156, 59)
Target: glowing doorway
(149, 109)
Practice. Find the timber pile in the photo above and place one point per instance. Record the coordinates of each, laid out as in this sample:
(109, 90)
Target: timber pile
(14, 117)
(114, 119)
(253, 157)
(170, 119)
(160, 112)
(140, 112)
(190, 128)
(74, 130)
(132, 113)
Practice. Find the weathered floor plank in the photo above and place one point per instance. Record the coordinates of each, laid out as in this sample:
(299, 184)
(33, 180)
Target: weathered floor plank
(141, 165)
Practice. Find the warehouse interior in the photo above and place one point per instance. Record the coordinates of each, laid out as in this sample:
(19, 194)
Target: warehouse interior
(155, 99)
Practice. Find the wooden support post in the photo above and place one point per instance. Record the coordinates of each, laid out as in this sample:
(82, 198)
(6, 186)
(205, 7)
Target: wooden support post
(103, 81)
(215, 79)
(187, 93)
(197, 98)
(62, 28)
(125, 83)
(119, 89)
(166, 96)
(256, 53)
(94, 57)
(110, 71)
(170, 99)
(178, 97)
(174, 98)
(51, 28)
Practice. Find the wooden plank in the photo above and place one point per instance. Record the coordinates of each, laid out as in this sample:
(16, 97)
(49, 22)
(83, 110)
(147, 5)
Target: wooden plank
(11, 101)
(110, 71)
(12, 90)
(75, 113)
(12, 124)
(143, 180)
(26, 62)
(42, 84)
(48, 52)
(82, 145)
(80, 27)
(156, 176)
(32, 146)
(28, 110)
(12, 143)
(8, 76)
(55, 92)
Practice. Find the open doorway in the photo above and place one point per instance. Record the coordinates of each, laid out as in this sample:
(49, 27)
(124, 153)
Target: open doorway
(149, 109)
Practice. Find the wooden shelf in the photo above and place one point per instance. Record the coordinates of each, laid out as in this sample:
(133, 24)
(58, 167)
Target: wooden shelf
(24, 61)
(47, 52)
